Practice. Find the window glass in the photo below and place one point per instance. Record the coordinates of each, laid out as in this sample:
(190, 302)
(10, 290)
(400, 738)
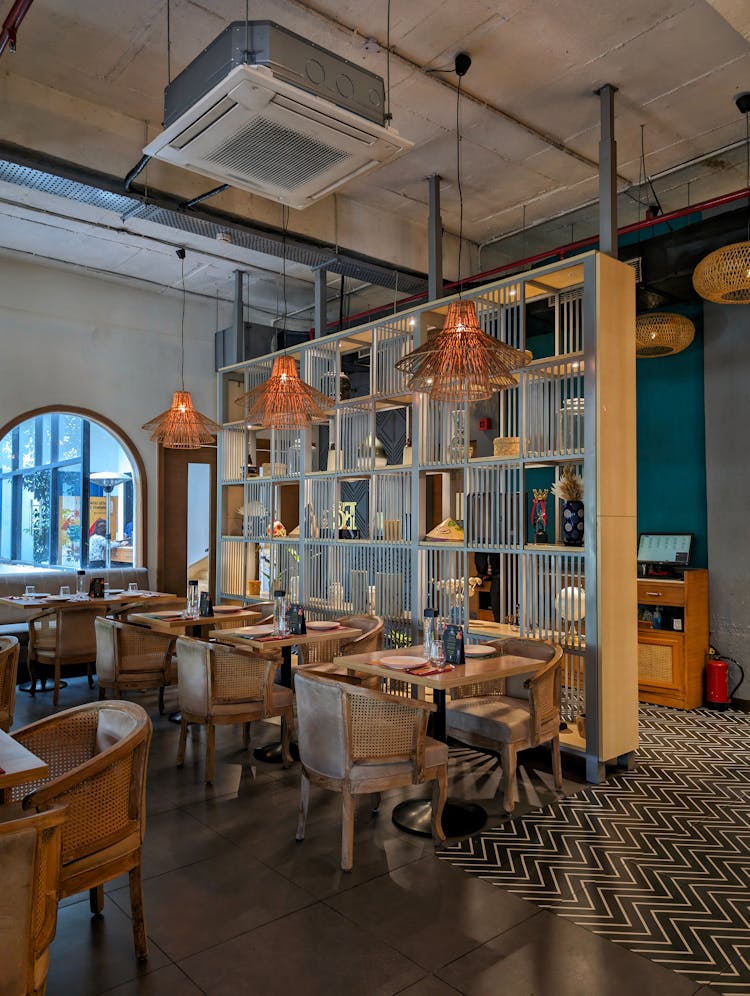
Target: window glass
(54, 510)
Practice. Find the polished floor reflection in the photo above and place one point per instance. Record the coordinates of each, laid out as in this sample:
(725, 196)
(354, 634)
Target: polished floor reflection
(234, 905)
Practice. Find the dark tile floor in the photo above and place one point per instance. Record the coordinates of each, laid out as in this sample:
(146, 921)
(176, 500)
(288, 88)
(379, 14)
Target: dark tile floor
(234, 905)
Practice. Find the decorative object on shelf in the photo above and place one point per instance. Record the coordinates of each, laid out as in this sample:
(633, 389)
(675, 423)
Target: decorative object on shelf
(181, 426)
(457, 441)
(571, 425)
(278, 529)
(569, 489)
(539, 514)
(570, 606)
(284, 401)
(294, 457)
(365, 453)
(662, 333)
(724, 275)
(461, 362)
(447, 531)
(506, 446)
(250, 470)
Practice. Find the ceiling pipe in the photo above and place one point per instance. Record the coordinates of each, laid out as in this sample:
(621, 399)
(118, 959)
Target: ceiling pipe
(549, 255)
(12, 23)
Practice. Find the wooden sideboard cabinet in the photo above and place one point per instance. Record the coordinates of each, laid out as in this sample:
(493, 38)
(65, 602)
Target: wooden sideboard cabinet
(671, 661)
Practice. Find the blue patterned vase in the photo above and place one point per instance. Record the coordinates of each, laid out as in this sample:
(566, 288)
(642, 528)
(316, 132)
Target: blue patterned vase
(572, 523)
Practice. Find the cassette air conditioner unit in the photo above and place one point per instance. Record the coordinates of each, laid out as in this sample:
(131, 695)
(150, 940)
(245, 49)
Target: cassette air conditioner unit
(270, 112)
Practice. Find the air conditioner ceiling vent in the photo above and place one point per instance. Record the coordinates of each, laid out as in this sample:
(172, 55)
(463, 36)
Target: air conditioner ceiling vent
(281, 117)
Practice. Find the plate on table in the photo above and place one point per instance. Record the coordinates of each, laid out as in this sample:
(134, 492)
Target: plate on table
(38, 594)
(323, 624)
(223, 610)
(265, 629)
(479, 650)
(60, 598)
(404, 662)
(115, 591)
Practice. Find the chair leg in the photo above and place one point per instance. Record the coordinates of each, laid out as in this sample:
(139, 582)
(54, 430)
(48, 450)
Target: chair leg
(509, 777)
(137, 913)
(90, 675)
(32, 677)
(347, 831)
(286, 757)
(556, 762)
(304, 802)
(96, 900)
(102, 693)
(210, 753)
(439, 795)
(246, 735)
(183, 742)
(374, 802)
(161, 700)
(56, 692)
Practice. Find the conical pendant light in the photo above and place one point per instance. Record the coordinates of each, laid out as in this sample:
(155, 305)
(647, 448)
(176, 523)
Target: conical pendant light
(461, 362)
(284, 401)
(181, 427)
(724, 275)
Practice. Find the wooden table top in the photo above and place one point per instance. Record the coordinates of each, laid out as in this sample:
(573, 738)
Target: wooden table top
(475, 669)
(17, 764)
(39, 603)
(175, 622)
(241, 638)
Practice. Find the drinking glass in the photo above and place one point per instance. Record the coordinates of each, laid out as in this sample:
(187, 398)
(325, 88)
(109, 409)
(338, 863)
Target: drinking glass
(106, 589)
(64, 589)
(132, 586)
(437, 653)
(29, 590)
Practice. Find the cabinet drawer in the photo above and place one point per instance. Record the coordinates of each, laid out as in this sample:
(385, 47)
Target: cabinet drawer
(661, 593)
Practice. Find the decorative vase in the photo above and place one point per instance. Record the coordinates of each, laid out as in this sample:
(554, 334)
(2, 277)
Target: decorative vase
(572, 523)
(369, 448)
(457, 442)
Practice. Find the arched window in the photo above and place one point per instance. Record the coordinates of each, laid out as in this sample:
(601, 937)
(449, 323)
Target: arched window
(68, 494)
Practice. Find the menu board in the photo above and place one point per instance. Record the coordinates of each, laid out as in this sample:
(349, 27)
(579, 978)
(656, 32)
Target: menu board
(295, 618)
(453, 644)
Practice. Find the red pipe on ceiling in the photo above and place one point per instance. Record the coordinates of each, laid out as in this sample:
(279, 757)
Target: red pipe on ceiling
(12, 23)
(562, 251)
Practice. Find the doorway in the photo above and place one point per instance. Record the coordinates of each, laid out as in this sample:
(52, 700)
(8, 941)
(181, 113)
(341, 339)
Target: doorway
(187, 514)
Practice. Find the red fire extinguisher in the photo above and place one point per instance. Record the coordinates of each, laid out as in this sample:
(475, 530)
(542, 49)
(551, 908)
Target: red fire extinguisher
(718, 695)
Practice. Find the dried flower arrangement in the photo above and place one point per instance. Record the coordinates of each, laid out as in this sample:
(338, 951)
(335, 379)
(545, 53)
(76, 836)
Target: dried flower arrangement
(570, 485)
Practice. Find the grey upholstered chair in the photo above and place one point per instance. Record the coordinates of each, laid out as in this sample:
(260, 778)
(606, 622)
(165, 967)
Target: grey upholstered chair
(355, 740)
(131, 658)
(30, 859)
(9, 648)
(512, 714)
(219, 685)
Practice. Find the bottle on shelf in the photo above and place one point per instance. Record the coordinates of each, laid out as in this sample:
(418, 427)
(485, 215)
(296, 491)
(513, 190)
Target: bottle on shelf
(657, 620)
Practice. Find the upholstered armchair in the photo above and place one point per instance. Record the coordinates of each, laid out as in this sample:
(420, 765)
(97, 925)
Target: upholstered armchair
(30, 859)
(507, 716)
(355, 740)
(132, 657)
(97, 755)
(9, 648)
(60, 637)
(219, 685)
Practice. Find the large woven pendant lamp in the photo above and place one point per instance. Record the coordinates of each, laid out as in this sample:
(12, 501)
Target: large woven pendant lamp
(724, 275)
(460, 362)
(662, 333)
(181, 426)
(284, 401)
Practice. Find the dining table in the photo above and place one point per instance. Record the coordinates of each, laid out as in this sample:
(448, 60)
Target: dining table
(18, 764)
(411, 664)
(250, 638)
(178, 623)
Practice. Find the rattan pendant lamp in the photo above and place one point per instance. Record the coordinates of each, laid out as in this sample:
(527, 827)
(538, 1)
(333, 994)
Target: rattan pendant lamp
(460, 362)
(181, 426)
(724, 275)
(662, 333)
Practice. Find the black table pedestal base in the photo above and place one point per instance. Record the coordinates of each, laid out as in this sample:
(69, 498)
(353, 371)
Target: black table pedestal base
(47, 688)
(460, 819)
(271, 753)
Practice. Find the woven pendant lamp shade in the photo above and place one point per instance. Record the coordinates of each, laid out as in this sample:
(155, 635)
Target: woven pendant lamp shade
(461, 362)
(724, 275)
(181, 427)
(284, 401)
(662, 333)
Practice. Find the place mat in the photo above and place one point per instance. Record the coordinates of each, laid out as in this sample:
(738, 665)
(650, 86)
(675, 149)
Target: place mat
(167, 616)
(425, 669)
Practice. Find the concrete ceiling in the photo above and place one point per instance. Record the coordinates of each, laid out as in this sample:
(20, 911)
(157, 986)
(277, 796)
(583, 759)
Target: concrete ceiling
(86, 86)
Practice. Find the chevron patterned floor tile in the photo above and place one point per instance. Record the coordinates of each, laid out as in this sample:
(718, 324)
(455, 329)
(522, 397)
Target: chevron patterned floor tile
(657, 859)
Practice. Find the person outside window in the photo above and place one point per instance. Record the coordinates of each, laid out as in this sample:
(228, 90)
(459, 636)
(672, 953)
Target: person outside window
(98, 544)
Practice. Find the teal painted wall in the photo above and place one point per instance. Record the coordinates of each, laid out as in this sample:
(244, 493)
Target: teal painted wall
(672, 444)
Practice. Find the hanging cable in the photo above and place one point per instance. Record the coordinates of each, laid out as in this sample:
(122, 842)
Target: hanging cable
(460, 189)
(388, 115)
(169, 45)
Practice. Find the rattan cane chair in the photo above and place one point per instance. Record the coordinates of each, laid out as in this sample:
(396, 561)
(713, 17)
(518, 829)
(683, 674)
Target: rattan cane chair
(355, 740)
(130, 658)
(59, 637)
(9, 649)
(30, 859)
(512, 714)
(97, 755)
(222, 685)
